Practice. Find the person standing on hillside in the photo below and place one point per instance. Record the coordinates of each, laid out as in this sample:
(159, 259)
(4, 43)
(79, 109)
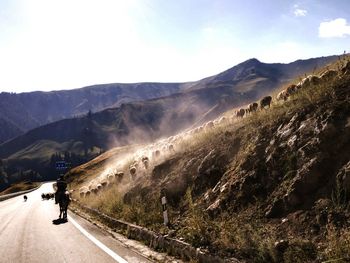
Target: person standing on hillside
(61, 188)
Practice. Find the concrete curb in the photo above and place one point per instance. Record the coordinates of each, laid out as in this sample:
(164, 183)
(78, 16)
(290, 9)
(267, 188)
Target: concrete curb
(8, 196)
(155, 241)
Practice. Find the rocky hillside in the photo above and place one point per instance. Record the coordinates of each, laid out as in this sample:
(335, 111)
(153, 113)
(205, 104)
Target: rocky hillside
(272, 187)
(24, 111)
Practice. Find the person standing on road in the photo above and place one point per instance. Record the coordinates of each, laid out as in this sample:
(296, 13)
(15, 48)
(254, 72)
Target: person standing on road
(61, 188)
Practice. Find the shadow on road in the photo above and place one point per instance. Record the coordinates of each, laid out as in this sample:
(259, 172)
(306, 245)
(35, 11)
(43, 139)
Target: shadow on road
(59, 221)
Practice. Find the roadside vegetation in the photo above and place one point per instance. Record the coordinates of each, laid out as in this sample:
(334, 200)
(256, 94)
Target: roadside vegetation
(23, 186)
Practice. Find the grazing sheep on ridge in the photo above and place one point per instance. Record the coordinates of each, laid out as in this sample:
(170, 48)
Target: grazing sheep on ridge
(132, 171)
(171, 148)
(286, 93)
(328, 75)
(83, 190)
(308, 81)
(266, 101)
(145, 162)
(119, 176)
(209, 125)
(223, 119)
(240, 113)
(104, 183)
(156, 154)
(253, 107)
(282, 95)
(110, 178)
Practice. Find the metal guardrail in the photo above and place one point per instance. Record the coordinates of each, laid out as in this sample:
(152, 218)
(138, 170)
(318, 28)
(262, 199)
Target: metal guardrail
(8, 196)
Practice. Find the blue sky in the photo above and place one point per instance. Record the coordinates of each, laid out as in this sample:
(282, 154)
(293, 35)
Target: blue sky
(66, 44)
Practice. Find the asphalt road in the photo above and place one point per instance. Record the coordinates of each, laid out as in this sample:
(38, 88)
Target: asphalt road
(28, 234)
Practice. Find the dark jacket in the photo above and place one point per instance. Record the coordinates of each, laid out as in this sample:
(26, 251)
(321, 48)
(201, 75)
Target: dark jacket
(61, 186)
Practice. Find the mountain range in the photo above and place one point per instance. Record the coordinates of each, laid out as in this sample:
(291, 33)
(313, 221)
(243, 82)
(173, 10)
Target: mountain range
(90, 120)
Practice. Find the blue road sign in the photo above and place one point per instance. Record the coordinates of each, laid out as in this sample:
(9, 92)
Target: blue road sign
(61, 165)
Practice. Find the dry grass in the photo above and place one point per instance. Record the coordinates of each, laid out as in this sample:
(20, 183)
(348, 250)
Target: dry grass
(23, 186)
(110, 202)
(337, 245)
(238, 235)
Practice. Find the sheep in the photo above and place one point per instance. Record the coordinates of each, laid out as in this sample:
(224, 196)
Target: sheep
(156, 154)
(266, 101)
(240, 113)
(291, 89)
(110, 178)
(171, 148)
(136, 164)
(145, 161)
(222, 119)
(119, 176)
(104, 183)
(314, 80)
(253, 107)
(209, 125)
(284, 94)
(328, 75)
(308, 81)
(132, 171)
(83, 190)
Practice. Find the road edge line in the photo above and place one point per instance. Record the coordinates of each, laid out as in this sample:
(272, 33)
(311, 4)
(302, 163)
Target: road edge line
(98, 243)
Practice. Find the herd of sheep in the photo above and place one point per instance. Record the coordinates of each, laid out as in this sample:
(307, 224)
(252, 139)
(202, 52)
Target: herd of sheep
(307, 82)
(147, 156)
(133, 166)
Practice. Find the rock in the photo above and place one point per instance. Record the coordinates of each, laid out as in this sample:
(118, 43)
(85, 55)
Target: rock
(346, 69)
(322, 204)
(309, 177)
(284, 220)
(322, 218)
(292, 199)
(281, 246)
(344, 177)
(276, 209)
(315, 229)
(210, 171)
(336, 218)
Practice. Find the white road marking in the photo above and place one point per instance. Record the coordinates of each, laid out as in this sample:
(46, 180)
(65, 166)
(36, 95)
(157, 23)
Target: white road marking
(115, 256)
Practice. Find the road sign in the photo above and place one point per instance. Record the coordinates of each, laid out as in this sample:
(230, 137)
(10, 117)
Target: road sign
(61, 165)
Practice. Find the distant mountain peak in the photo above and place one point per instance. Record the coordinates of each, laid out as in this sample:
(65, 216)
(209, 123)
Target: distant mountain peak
(250, 62)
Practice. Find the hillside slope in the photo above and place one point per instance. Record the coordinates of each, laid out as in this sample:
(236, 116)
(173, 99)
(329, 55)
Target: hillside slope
(269, 188)
(143, 121)
(24, 111)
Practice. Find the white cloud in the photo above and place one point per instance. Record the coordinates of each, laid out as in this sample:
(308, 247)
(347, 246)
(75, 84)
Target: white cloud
(334, 28)
(299, 11)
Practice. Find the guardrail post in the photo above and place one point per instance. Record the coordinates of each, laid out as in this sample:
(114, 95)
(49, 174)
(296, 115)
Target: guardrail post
(165, 211)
